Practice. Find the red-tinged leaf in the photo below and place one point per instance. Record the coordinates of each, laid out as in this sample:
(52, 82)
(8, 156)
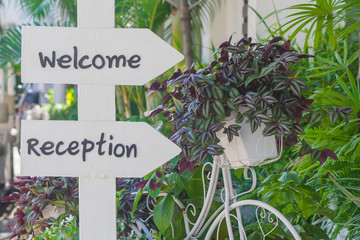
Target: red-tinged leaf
(291, 140)
(158, 174)
(7, 199)
(306, 102)
(176, 74)
(159, 185)
(223, 59)
(224, 44)
(286, 46)
(277, 39)
(323, 158)
(163, 87)
(152, 185)
(191, 167)
(212, 65)
(268, 51)
(185, 164)
(141, 184)
(305, 56)
(157, 110)
(330, 154)
(166, 99)
(155, 85)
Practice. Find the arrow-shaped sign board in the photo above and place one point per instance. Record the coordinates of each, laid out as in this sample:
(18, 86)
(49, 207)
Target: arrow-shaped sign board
(94, 55)
(92, 148)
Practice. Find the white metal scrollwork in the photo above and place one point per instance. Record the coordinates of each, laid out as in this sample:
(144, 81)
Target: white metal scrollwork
(263, 212)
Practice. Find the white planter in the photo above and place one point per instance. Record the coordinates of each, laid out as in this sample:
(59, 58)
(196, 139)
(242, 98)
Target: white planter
(4, 113)
(247, 149)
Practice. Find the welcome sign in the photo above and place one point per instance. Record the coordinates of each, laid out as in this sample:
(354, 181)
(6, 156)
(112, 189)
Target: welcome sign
(94, 56)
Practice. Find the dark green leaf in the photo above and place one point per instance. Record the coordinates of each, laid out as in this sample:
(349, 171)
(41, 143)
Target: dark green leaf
(163, 213)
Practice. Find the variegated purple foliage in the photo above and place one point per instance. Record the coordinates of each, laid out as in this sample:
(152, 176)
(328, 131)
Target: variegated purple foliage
(251, 80)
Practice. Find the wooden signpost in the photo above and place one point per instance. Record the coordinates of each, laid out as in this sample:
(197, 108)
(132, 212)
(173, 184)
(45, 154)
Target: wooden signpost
(95, 56)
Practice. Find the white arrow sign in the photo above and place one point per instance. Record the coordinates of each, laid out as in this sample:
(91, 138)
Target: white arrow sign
(94, 56)
(97, 149)
(92, 148)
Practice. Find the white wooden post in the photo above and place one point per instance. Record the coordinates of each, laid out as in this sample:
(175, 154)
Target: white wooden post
(96, 102)
(69, 148)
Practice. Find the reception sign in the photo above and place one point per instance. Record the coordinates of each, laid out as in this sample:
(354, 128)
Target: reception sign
(92, 148)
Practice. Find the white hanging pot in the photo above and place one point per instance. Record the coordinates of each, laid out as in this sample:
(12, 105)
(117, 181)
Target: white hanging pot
(4, 113)
(247, 149)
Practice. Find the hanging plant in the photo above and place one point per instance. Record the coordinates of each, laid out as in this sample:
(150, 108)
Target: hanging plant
(252, 81)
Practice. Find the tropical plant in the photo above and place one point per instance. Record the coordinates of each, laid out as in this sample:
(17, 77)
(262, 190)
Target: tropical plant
(333, 81)
(250, 76)
(10, 47)
(34, 195)
(62, 10)
(64, 228)
(190, 17)
(323, 17)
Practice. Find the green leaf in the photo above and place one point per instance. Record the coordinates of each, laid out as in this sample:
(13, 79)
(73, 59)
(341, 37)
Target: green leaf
(315, 118)
(239, 118)
(163, 212)
(218, 108)
(315, 155)
(217, 92)
(239, 172)
(136, 201)
(266, 70)
(348, 194)
(289, 176)
(269, 130)
(250, 78)
(206, 108)
(333, 117)
(253, 125)
(234, 92)
(232, 106)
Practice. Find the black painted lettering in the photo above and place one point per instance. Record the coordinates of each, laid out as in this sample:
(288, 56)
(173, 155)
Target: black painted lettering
(45, 59)
(134, 59)
(122, 151)
(81, 62)
(117, 61)
(129, 149)
(88, 146)
(46, 147)
(73, 148)
(32, 142)
(57, 149)
(63, 60)
(100, 144)
(75, 57)
(95, 62)
(110, 146)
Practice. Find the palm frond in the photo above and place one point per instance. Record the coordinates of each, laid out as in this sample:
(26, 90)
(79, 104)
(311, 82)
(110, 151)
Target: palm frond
(10, 46)
(142, 14)
(38, 10)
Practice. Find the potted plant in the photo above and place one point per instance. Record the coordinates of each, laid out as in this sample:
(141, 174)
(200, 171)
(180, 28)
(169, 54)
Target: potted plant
(250, 89)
